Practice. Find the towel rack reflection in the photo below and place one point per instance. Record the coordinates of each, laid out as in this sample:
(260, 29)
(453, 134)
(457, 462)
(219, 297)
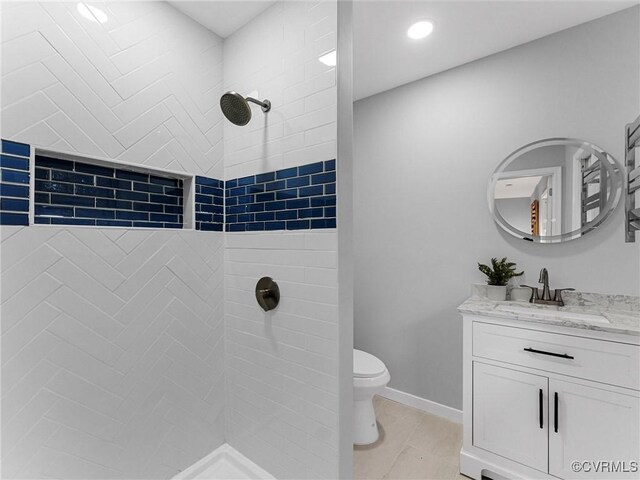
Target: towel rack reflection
(632, 136)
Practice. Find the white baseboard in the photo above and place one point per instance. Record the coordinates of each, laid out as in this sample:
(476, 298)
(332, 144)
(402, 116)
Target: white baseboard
(423, 404)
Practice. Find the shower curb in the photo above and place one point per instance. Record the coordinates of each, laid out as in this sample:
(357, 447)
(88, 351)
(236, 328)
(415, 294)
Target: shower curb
(225, 453)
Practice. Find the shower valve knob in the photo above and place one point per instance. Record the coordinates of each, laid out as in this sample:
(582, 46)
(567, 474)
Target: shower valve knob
(267, 293)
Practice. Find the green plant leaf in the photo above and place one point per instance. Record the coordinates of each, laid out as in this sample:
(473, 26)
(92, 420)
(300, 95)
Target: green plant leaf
(500, 271)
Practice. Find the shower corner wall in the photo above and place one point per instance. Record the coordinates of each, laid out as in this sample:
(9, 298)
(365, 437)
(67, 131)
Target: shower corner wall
(345, 236)
(282, 371)
(112, 351)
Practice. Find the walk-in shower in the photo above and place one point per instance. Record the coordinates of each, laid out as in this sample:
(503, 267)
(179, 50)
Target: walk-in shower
(236, 107)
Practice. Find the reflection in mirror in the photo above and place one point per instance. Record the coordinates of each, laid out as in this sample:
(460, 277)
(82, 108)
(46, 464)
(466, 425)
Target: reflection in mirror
(554, 190)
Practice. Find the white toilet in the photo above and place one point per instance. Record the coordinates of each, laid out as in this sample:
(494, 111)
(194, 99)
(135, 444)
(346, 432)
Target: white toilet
(370, 376)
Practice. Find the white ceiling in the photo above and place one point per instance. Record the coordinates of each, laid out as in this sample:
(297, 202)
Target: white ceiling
(221, 16)
(384, 57)
(517, 187)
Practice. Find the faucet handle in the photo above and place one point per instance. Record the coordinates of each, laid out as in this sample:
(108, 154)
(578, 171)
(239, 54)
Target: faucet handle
(534, 292)
(558, 294)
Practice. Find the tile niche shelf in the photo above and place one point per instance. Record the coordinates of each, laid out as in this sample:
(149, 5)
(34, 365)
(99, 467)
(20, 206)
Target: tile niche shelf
(76, 190)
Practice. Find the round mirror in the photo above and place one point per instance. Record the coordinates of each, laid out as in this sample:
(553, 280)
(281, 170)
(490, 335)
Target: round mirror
(554, 190)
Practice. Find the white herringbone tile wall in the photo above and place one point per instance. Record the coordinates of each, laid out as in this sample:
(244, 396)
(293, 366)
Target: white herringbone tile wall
(112, 339)
(112, 351)
(275, 56)
(142, 87)
(282, 367)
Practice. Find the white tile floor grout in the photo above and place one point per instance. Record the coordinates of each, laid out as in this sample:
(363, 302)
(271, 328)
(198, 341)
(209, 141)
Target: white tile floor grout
(412, 445)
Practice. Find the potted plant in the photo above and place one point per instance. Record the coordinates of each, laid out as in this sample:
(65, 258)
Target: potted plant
(498, 275)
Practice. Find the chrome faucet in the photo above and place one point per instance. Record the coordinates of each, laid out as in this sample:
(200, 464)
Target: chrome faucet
(546, 292)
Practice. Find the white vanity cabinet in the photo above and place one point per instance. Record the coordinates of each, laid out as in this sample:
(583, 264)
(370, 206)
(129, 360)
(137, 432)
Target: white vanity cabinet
(538, 398)
(507, 418)
(593, 422)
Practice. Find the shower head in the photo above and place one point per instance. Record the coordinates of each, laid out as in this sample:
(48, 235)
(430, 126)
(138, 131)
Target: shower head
(236, 108)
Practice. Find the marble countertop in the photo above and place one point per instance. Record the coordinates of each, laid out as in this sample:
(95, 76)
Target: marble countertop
(622, 312)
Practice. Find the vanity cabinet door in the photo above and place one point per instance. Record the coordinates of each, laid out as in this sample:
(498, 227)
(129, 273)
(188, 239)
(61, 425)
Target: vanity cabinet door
(591, 424)
(510, 414)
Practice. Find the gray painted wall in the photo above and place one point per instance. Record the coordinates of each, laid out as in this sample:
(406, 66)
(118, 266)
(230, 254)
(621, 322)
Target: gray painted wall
(423, 155)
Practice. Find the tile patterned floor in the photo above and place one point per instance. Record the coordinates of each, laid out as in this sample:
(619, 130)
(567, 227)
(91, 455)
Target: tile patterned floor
(412, 445)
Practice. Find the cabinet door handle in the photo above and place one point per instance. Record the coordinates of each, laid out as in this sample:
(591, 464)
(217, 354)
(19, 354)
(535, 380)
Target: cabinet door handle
(542, 352)
(541, 414)
(555, 412)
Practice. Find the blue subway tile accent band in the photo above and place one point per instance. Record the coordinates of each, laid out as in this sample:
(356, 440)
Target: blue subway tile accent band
(54, 163)
(264, 177)
(42, 198)
(94, 169)
(210, 204)
(255, 207)
(296, 198)
(329, 177)
(118, 204)
(14, 176)
(287, 173)
(138, 196)
(14, 183)
(42, 174)
(265, 197)
(135, 176)
(298, 181)
(311, 191)
(16, 163)
(53, 211)
(278, 185)
(16, 191)
(114, 183)
(311, 168)
(94, 191)
(147, 187)
(77, 193)
(255, 188)
(287, 215)
(56, 199)
(14, 205)
(42, 186)
(70, 177)
(8, 218)
(147, 207)
(298, 203)
(15, 148)
(246, 181)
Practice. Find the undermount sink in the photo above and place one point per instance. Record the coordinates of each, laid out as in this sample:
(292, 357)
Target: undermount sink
(552, 314)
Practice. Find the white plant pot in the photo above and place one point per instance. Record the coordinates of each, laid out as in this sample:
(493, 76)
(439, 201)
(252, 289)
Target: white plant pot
(497, 292)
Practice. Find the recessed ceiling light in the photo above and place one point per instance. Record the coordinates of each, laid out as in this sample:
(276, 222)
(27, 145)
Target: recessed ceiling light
(420, 30)
(92, 13)
(329, 59)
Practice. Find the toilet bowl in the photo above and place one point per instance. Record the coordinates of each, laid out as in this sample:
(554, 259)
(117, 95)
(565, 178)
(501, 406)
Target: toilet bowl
(370, 376)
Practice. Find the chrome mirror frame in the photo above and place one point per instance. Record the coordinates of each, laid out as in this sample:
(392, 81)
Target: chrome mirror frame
(614, 172)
